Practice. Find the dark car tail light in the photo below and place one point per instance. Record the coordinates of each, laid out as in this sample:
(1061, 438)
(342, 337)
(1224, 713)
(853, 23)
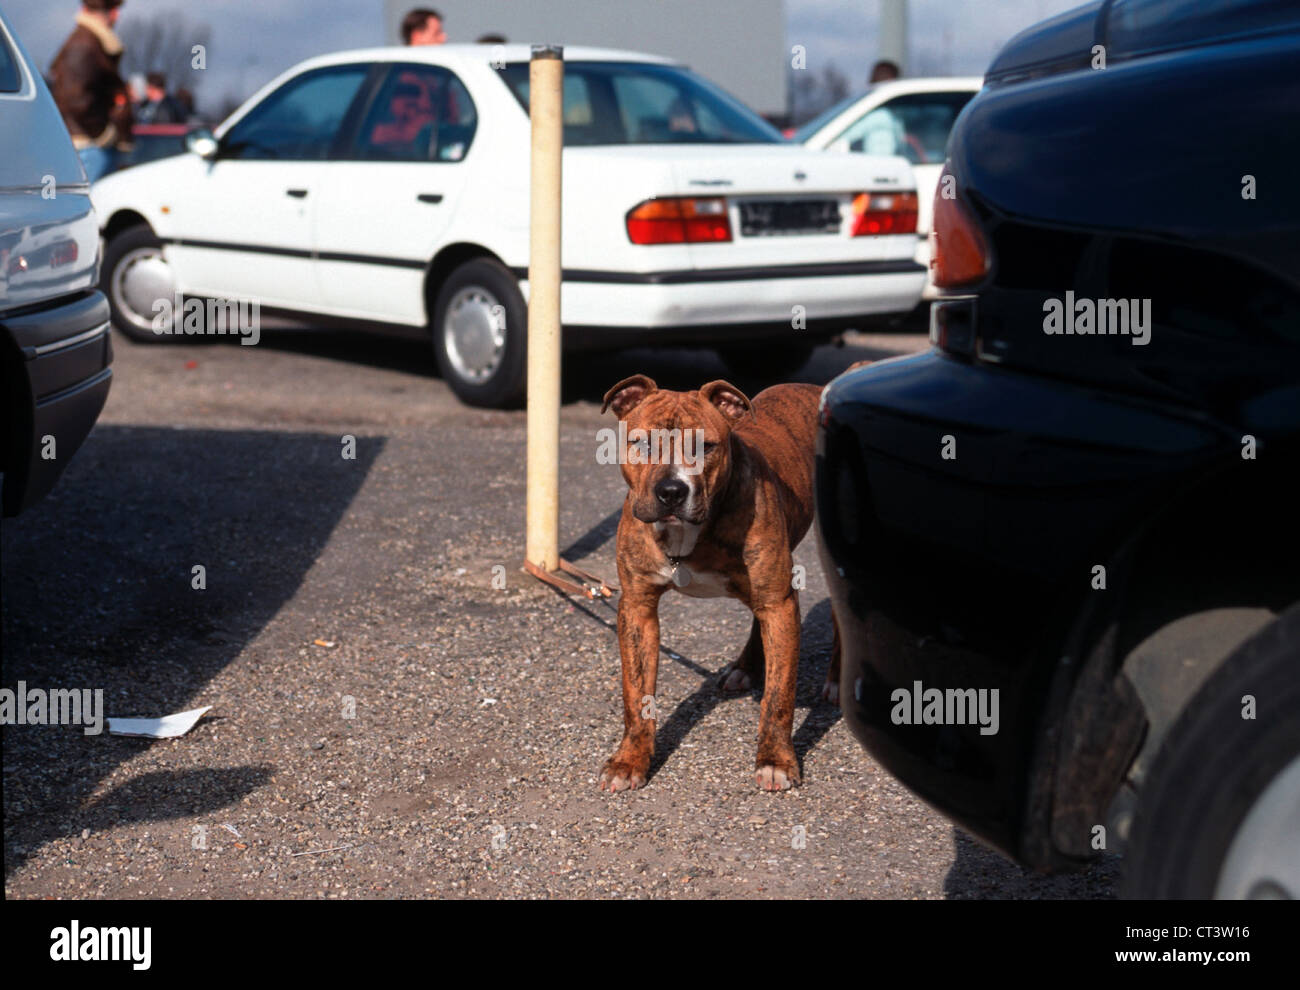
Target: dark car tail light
(884, 213)
(679, 220)
(959, 251)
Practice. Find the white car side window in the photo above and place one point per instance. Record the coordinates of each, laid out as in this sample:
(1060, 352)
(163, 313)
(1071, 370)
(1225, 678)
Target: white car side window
(300, 120)
(878, 133)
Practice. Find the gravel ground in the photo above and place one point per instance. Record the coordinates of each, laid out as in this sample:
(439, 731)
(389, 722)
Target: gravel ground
(480, 715)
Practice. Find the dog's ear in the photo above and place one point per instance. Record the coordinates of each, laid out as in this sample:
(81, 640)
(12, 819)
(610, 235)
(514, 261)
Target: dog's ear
(627, 394)
(731, 400)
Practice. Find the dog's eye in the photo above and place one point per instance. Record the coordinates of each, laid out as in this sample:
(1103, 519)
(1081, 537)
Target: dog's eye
(709, 448)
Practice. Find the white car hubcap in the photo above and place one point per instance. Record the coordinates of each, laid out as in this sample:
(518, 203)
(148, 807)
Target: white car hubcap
(474, 331)
(141, 278)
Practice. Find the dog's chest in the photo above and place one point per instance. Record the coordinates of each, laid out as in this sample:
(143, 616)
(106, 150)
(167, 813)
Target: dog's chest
(697, 584)
(677, 540)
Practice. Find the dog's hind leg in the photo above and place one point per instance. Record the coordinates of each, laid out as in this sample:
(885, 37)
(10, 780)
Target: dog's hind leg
(747, 671)
(831, 689)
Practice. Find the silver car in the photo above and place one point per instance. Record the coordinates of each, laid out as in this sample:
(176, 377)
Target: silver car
(55, 352)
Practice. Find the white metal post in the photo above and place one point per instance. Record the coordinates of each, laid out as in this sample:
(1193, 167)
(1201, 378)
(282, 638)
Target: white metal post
(546, 108)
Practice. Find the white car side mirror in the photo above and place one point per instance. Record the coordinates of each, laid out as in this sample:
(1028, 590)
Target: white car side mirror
(202, 143)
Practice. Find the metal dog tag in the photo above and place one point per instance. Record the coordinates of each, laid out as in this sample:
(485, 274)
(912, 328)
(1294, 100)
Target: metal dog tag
(681, 576)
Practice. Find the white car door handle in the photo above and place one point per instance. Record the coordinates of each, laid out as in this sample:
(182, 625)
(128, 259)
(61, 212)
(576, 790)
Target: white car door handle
(430, 197)
(296, 193)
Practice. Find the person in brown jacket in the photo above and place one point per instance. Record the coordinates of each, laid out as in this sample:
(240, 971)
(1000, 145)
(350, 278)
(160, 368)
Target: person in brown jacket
(91, 95)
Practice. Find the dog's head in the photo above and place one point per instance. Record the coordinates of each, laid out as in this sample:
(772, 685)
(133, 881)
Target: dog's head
(676, 450)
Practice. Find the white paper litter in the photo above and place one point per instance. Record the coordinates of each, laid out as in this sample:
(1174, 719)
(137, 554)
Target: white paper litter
(157, 728)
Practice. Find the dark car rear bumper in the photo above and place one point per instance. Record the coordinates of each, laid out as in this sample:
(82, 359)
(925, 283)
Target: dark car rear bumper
(58, 371)
(970, 572)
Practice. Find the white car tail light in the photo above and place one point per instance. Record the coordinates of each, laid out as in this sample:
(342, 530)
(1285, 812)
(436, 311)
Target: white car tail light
(679, 220)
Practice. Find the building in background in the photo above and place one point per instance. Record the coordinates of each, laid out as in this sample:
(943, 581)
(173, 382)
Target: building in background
(739, 44)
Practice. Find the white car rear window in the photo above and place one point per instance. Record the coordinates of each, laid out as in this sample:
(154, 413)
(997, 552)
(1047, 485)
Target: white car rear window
(646, 103)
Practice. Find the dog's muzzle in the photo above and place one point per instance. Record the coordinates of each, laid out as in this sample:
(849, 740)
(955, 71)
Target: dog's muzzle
(671, 497)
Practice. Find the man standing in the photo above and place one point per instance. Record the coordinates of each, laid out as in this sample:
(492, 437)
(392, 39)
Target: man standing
(93, 98)
(423, 26)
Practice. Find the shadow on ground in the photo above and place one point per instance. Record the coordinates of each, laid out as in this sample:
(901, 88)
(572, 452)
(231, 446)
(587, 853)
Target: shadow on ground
(980, 873)
(587, 375)
(814, 661)
(97, 593)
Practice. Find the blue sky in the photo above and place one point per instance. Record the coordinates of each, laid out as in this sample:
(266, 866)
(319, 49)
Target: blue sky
(254, 40)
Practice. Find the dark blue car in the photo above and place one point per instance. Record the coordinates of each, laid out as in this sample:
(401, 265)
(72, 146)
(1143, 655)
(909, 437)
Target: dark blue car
(1064, 543)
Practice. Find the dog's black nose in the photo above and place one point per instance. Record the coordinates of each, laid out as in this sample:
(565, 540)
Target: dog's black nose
(671, 492)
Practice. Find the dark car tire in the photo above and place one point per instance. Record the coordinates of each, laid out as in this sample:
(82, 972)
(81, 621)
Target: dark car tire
(128, 292)
(1213, 766)
(767, 360)
(482, 358)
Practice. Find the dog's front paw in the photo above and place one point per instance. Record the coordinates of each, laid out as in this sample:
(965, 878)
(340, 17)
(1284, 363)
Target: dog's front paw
(777, 776)
(623, 775)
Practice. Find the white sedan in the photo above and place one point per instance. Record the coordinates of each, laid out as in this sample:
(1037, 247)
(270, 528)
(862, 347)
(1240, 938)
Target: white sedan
(908, 117)
(389, 188)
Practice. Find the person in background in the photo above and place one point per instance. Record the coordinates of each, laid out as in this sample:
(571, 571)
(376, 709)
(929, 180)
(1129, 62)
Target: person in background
(411, 112)
(186, 99)
(884, 71)
(92, 97)
(881, 132)
(157, 107)
(423, 26)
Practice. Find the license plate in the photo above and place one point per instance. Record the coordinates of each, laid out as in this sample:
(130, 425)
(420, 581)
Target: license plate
(763, 218)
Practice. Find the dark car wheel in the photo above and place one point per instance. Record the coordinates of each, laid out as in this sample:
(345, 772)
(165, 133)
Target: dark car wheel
(134, 277)
(1219, 815)
(480, 326)
(767, 360)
